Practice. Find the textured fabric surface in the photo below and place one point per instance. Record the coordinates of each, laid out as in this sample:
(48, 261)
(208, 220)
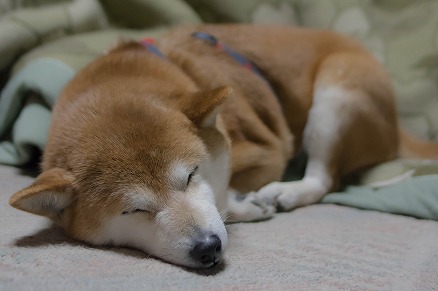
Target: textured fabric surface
(415, 197)
(321, 247)
(25, 28)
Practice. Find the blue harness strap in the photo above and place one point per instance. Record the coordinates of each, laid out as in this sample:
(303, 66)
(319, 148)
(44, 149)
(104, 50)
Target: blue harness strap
(232, 53)
(148, 43)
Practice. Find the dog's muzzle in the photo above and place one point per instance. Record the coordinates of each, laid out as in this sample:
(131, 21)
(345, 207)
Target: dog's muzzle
(207, 250)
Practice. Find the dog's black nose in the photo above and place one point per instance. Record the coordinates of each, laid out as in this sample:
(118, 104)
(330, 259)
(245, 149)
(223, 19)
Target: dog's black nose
(207, 250)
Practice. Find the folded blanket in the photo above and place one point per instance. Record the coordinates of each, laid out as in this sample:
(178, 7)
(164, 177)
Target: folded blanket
(59, 37)
(416, 197)
(23, 29)
(31, 120)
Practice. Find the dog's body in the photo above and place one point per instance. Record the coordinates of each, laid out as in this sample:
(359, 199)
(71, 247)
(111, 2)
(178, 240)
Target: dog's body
(147, 151)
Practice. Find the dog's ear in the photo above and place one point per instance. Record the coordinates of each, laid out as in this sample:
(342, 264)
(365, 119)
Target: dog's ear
(202, 107)
(48, 195)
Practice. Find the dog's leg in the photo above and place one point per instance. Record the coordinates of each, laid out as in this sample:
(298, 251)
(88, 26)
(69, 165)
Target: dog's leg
(345, 131)
(245, 210)
(322, 138)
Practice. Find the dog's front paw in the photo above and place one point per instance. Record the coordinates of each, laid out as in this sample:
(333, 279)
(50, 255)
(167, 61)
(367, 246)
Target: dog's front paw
(268, 194)
(286, 196)
(249, 209)
(264, 210)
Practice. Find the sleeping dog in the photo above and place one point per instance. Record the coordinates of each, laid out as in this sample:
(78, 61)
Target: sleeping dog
(152, 143)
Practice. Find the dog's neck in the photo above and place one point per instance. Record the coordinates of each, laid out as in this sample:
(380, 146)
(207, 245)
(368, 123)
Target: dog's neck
(158, 73)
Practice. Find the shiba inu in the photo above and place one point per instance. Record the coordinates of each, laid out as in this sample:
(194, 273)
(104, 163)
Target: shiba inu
(151, 143)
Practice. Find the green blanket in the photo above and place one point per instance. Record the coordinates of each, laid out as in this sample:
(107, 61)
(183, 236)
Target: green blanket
(415, 197)
(45, 42)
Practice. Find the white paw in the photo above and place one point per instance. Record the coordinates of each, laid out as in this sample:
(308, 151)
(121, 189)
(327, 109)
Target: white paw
(289, 200)
(267, 194)
(286, 196)
(264, 210)
(249, 209)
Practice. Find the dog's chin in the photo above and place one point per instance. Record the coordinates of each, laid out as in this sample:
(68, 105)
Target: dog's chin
(201, 266)
(194, 246)
(191, 264)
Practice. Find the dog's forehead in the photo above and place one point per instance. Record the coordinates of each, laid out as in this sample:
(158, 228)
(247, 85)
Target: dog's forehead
(139, 149)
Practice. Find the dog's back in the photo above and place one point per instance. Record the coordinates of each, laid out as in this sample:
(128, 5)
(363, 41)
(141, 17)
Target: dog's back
(295, 64)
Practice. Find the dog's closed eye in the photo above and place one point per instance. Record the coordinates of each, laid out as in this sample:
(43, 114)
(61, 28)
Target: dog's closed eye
(135, 211)
(190, 177)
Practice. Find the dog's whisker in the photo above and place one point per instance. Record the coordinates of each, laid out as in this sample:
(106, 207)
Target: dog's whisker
(224, 215)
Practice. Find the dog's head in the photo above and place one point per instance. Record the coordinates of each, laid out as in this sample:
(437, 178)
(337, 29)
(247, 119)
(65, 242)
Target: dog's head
(147, 180)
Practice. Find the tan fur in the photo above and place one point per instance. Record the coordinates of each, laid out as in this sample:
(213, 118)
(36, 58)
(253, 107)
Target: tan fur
(124, 119)
(296, 62)
(411, 147)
